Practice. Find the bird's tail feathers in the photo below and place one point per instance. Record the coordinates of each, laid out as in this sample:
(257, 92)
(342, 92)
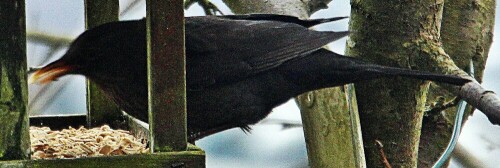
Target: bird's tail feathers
(393, 71)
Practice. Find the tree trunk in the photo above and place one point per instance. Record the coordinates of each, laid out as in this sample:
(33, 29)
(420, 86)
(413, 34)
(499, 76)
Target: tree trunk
(408, 34)
(391, 110)
(466, 34)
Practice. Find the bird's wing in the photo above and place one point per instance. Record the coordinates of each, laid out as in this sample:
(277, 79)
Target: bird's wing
(283, 18)
(224, 49)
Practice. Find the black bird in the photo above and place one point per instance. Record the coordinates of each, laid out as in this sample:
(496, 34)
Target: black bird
(238, 67)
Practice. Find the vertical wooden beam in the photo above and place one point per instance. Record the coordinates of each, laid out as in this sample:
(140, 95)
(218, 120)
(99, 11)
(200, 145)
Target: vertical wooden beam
(166, 75)
(14, 135)
(100, 110)
(331, 127)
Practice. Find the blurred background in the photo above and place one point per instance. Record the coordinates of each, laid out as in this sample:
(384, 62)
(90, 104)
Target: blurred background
(52, 25)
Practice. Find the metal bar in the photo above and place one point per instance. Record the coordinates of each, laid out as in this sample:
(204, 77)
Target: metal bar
(166, 75)
(14, 135)
(100, 109)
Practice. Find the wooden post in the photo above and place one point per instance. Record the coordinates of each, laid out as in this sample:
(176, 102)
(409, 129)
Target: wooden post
(14, 135)
(101, 110)
(331, 128)
(167, 75)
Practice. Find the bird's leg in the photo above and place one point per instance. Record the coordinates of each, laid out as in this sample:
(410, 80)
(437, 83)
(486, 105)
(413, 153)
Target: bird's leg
(198, 135)
(208, 7)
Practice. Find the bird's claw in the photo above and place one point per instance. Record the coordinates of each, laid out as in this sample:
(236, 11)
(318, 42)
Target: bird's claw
(208, 7)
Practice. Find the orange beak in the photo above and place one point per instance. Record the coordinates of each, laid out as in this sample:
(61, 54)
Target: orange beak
(50, 73)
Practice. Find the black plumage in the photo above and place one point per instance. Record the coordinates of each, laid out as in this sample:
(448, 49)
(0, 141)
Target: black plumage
(238, 67)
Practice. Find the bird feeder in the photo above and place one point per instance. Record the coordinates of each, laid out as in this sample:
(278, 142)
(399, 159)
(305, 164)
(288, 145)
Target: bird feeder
(166, 133)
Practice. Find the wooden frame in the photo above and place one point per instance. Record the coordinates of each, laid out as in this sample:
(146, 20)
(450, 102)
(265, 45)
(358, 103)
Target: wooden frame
(167, 98)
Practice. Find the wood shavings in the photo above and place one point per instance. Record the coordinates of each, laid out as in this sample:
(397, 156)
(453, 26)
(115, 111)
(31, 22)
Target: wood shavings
(82, 142)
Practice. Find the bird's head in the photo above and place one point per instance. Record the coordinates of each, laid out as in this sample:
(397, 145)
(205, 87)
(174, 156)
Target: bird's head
(107, 52)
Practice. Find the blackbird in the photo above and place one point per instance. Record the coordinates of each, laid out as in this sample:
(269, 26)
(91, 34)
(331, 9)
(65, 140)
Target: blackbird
(238, 67)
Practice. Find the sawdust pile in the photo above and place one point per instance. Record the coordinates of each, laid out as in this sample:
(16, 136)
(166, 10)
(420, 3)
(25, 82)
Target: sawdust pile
(82, 142)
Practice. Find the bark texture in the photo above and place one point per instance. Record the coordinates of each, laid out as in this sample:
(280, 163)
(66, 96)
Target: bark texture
(466, 34)
(405, 34)
(395, 34)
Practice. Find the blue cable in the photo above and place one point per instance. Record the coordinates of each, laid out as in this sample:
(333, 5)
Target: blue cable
(456, 128)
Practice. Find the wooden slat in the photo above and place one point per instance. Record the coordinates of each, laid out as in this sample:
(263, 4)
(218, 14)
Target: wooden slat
(137, 127)
(166, 71)
(57, 122)
(100, 109)
(191, 159)
(14, 138)
(331, 128)
(355, 127)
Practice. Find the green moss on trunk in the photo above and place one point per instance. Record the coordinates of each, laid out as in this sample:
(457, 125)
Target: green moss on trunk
(391, 110)
(466, 34)
(331, 128)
